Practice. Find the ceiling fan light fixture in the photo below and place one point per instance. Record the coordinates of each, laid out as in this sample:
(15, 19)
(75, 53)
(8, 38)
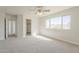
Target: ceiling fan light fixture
(39, 13)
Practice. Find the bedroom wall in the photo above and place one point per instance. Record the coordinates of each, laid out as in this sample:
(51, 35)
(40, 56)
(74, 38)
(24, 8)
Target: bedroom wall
(19, 26)
(21, 23)
(71, 35)
(2, 16)
(34, 23)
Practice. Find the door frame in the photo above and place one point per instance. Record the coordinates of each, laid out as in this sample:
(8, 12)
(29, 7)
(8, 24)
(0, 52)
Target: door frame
(5, 28)
(6, 25)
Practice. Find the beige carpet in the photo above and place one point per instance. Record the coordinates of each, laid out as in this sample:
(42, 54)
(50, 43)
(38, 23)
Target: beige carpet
(35, 45)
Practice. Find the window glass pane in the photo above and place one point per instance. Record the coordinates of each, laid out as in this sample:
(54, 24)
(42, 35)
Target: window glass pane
(66, 22)
(56, 23)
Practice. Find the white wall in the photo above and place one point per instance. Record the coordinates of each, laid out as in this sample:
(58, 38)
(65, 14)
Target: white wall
(34, 23)
(19, 26)
(2, 30)
(71, 35)
(21, 23)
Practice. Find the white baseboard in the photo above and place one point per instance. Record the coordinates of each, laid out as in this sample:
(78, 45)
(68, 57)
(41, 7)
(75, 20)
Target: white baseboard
(67, 41)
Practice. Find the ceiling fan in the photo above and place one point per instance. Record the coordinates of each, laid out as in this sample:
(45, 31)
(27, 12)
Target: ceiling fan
(40, 10)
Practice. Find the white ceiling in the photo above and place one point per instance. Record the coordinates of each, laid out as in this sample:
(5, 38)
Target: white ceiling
(54, 9)
(28, 9)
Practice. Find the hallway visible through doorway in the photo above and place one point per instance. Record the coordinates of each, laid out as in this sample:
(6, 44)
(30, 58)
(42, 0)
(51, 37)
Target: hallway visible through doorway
(28, 27)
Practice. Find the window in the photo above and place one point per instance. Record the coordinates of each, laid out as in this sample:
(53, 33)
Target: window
(61, 22)
(56, 22)
(66, 22)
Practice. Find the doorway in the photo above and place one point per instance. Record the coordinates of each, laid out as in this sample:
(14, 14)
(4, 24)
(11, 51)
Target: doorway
(28, 27)
(10, 26)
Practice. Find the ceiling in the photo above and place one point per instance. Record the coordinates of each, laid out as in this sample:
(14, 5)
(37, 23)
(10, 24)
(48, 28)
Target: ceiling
(29, 9)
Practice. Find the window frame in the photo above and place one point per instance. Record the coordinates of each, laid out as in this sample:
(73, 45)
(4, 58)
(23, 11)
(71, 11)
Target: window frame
(61, 23)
